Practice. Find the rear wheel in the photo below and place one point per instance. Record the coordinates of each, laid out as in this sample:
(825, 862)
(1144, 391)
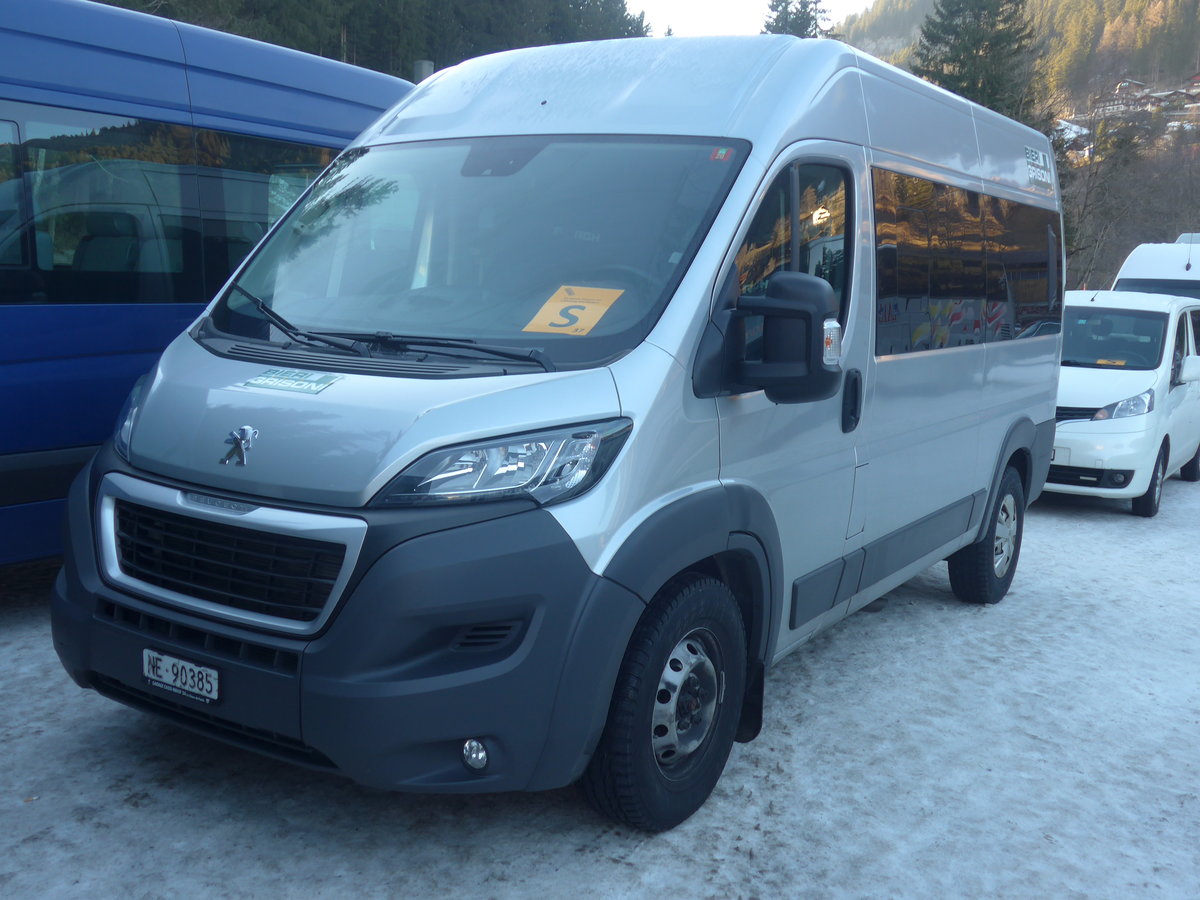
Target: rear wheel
(675, 708)
(1147, 504)
(981, 572)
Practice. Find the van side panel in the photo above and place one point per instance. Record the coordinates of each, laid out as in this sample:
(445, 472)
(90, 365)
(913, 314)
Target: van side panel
(287, 95)
(912, 120)
(96, 57)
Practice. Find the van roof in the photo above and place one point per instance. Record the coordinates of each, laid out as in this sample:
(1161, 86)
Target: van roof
(108, 59)
(1166, 261)
(772, 90)
(1166, 303)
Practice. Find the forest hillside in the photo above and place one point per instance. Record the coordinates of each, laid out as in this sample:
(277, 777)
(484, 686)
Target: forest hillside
(1086, 44)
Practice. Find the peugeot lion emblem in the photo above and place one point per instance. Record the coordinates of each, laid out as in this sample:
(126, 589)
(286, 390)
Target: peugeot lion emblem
(241, 439)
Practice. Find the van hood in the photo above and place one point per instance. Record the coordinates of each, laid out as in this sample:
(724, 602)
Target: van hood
(332, 438)
(1099, 387)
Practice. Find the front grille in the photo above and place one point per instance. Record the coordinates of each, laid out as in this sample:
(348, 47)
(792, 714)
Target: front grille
(242, 568)
(264, 657)
(268, 742)
(1079, 476)
(1073, 413)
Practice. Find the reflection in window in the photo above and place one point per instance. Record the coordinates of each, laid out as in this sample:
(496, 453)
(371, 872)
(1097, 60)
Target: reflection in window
(12, 248)
(767, 247)
(494, 239)
(97, 208)
(954, 267)
(799, 227)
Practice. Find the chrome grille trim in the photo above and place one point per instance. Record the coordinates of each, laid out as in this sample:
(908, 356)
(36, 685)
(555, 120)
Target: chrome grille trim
(346, 531)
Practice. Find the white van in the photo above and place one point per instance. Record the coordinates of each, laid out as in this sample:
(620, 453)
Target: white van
(1162, 269)
(1128, 397)
(585, 386)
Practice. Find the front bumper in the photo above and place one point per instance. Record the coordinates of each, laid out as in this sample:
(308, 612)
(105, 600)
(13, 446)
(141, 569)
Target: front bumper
(494, 630)
(1099, 459)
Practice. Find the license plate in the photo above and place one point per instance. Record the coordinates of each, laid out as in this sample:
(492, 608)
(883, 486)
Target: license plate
(179, 676)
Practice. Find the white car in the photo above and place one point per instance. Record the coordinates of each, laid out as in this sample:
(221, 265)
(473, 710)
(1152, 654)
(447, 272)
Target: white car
(1128, 396)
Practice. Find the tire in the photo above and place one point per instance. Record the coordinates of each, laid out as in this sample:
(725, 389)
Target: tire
(1191, 468)
(1147, 504)
(981, 572)
(675, 708)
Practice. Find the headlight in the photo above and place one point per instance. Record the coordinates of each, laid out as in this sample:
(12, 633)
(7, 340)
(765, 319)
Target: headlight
(133, 403)
(545, 466)
(1133, 406)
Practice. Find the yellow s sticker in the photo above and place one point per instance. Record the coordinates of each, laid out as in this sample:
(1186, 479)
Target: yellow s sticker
(573, 310)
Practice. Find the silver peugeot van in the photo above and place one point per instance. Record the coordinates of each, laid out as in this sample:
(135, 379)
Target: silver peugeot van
(590, 382)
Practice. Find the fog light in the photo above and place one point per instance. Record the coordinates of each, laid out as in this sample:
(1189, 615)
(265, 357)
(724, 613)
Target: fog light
(475, 755)
(1118, 478)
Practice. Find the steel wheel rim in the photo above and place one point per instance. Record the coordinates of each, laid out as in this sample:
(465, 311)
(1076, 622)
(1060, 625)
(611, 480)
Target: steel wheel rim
(686, 701)
(1159, 467)
(1005, 544)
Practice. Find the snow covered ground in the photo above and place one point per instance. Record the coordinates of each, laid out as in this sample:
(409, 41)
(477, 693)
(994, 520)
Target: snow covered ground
(1045, 747)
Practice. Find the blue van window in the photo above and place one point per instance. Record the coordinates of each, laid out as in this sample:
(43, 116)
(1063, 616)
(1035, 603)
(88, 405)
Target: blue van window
(96, 208)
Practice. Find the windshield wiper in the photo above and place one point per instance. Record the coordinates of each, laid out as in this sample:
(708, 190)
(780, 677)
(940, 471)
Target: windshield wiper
(442, 346)
(298, 334)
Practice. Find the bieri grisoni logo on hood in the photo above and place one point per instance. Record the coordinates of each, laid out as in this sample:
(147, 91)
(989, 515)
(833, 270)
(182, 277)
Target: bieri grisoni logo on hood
(241, 440)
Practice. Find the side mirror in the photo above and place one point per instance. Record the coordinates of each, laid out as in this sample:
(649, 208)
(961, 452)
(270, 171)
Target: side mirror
(1190, 370)
(791, 366)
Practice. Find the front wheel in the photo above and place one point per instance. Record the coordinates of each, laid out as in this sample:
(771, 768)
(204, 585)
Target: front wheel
(1147, 504)
(981, 572)
(675, 708)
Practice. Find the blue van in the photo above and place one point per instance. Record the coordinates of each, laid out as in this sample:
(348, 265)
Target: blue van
(140, 160)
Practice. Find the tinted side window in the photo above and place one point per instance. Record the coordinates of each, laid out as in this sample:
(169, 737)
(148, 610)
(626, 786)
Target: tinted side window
(955, 267)
(1022, 252)
(95, 192)
(800, 226)
(97, 208)
(104, 209)
(767, 247)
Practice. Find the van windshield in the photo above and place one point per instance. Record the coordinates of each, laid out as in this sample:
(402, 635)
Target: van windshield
(1112, 338)
(1175, 286)
(567, 245)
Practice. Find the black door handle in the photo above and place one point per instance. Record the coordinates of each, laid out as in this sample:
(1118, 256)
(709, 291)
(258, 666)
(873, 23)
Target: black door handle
(852, 401)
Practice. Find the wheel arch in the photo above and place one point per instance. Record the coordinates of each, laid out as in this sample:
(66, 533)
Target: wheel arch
(727, 532)
(1026, 448)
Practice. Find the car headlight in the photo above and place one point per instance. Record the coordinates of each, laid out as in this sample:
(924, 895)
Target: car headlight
(1138, 405)
(545, 466)
(126, 418)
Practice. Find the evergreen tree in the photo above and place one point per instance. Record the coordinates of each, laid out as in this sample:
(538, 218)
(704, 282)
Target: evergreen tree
(802, 18)
(983, 50)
